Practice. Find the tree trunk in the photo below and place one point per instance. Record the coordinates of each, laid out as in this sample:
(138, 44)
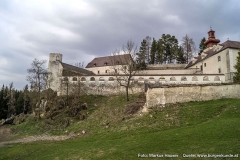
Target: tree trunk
(127, 98)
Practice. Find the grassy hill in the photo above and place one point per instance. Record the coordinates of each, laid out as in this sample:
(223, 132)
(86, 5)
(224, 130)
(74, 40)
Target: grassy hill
(112, 132)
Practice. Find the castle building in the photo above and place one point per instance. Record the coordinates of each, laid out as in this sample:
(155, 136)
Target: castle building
(217, 58)
(214, 65)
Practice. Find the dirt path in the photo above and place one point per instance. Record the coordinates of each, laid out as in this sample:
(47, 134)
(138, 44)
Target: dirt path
(37, 138)
(6, 137)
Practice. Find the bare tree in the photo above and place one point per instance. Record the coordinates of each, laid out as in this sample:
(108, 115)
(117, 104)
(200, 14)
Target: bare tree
(188, 47)
(37, 76)
(124, 65)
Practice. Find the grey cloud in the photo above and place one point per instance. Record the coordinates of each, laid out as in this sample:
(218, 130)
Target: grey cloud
(29, 31)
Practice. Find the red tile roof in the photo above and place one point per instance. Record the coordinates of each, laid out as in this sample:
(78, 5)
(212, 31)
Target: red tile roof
(211, 52)
(76, 69)
(110, 60)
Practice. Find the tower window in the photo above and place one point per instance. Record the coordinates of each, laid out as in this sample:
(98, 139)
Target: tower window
(105, 71)
(219, 70)
(205, 64)
(219, 58)
(98, 72)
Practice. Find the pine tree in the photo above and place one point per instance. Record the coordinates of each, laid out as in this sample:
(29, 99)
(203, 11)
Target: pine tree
(3, 104)
(181, 59)
(142, 55)
(236, 77)
(153, 52)
(202, 46)
(160, 52)
(167, 49)
(19, 102)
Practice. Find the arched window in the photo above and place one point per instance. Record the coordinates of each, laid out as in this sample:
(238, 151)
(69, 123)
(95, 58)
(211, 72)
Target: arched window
(83, 79)
(194, 78)
(151, 79)
(101, 79)
(111, 79)
(205, 78)
(172, 79)
(140, 79)
(92, 79)
(74, 78)
(216, 78)
(65, 78)
(183, 78)
(120, 78)
(162, 79)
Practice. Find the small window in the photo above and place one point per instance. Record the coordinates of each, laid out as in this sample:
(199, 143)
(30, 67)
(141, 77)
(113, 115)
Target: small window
(219, 70)
(98, 72)
(115, 70)
(111, 79)
(183, 79)
(172, 79)
(83, 79)
(205, 64)
(106, 71)
(101, 79)
(105, 63)
(219, 58)
(94, 64)
(74, 79)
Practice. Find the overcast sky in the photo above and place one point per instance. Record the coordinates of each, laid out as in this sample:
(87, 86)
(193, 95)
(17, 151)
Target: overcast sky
(84, 29)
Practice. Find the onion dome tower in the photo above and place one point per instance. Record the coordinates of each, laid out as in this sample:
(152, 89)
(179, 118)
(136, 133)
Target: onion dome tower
(211, 39)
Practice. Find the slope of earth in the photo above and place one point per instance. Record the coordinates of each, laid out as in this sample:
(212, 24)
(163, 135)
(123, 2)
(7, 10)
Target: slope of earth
(113, 129)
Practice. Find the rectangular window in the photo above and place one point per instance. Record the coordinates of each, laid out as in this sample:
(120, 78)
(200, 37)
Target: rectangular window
(219, 70)
(205, 64)
(115, 70)
(105, 71)
(98, 72)
(219, 58)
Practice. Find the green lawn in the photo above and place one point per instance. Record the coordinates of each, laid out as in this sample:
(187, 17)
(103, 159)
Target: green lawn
(211, 127)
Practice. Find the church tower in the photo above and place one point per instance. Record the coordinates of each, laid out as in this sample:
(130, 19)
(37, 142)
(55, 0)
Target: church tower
(211, 39)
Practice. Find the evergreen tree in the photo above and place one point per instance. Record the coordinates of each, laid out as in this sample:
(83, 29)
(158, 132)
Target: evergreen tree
(202, 46)
(26, 99)
(142, 55)
(181, 59)
(153, 52)
(11, 101)
(160, 52)
(19, 102)
(3, 103)
(167, 49)
(236, 77)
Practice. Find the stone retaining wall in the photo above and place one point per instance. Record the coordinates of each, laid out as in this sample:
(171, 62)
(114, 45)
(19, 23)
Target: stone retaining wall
(162, 96)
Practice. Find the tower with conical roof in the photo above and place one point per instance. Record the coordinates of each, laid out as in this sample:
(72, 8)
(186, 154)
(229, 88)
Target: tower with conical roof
(211, 39)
